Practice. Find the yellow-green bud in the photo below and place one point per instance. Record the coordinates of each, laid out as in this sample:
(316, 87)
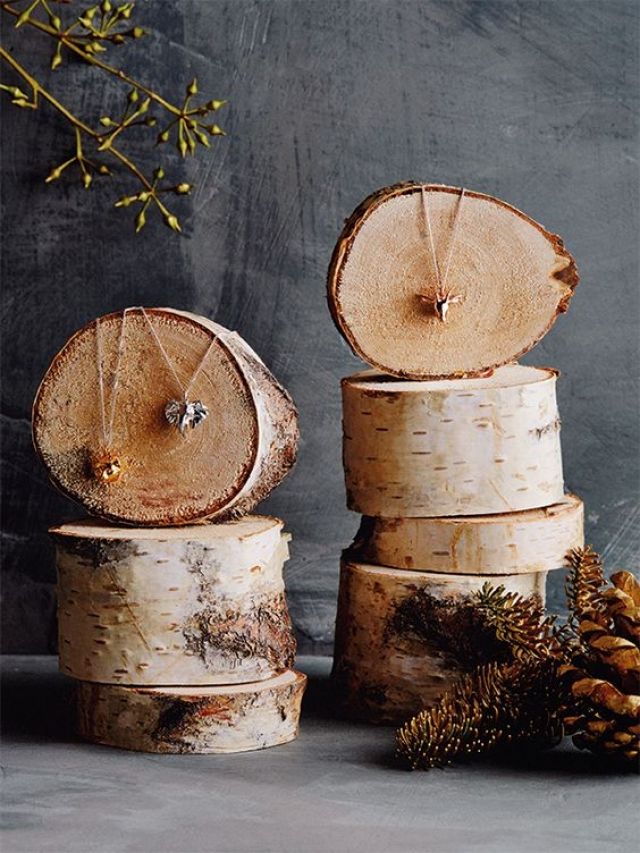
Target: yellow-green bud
(172, 222)
(140, 221)
(105, 6)
(137, 32)
(183, 189)
(215, 130)
(192, 88)
(86, 180)
(133, 96)
(159, 173)
(215, 105)
(105, 121)
(53, 175)
(162, 137)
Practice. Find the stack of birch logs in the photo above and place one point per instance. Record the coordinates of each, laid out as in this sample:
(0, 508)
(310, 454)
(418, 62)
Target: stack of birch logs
(176, 625)
(451, 449)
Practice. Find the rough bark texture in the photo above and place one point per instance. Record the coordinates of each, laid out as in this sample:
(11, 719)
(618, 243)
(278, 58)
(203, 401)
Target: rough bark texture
(382, 675)
(452, 447)
(183, 606)
(232, 718)
(512, 276)
(534, 540)
(220, 469)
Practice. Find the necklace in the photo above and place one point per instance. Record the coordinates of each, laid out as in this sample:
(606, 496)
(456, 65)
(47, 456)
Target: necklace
(443, 298)
(108, 466)
(183, 414)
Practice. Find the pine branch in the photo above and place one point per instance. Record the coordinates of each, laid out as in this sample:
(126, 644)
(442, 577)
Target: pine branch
(492, 709)
(454, 626)
(518, 622)
(490, 625)
(584, 587)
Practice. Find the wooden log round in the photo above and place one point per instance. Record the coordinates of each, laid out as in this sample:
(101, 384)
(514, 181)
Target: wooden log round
(228, 718)
(507, 279)
(534, 540)
(383, 674)
(221, 468)
(452, 446)
(194, 605)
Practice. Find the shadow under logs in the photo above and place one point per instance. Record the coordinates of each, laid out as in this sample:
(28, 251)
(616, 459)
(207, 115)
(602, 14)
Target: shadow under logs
(36, 703)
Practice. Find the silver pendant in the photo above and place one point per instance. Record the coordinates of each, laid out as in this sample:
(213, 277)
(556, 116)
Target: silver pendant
(185, 415)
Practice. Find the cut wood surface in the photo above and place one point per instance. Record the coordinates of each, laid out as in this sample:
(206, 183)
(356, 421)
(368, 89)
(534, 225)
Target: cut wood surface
(383, 674)
(533, 540)
(511, 278)
(220, 469)
(194, 605)
(452, 447)
(232, 718)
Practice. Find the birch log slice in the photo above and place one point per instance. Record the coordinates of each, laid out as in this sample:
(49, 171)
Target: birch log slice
(223, 467)
(535, 540)
(231, 718)
(511, 278)
(383, 674)
(203, 604)
(452, 447)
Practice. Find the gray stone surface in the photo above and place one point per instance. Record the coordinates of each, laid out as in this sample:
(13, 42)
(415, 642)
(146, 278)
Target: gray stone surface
(532, 101)
(336, 788)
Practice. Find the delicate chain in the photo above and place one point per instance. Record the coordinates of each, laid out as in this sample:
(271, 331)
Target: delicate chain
(184, 390)
(107, 432)
(442, 280)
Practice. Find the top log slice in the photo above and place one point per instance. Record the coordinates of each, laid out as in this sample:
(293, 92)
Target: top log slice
(218, 470)
(511, 278)
(453, 447)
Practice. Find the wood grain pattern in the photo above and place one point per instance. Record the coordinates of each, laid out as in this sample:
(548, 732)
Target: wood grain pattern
(191, 605)
(452, 447)
(512, 278)
(224, 466)
(385, 676)
(534, 540)
(232, 718)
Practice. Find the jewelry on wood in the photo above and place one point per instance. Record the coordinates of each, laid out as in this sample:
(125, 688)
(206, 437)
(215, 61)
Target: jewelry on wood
(183, 414)
(442, 299)
(107, 465)
(107, 468)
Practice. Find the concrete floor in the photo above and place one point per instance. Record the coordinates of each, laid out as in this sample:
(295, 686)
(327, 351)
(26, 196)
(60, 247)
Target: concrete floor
(334, 789)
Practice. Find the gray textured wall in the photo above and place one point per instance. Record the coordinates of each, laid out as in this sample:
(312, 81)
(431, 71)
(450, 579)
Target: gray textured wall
(532, 101)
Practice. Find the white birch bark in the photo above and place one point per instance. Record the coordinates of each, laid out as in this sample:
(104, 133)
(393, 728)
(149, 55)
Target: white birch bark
(227, 718)
(194, 605)
(452, 447)
(383, 674)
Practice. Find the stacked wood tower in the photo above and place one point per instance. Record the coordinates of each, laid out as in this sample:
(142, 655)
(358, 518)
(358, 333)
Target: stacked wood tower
(171, 604)
(451, 448)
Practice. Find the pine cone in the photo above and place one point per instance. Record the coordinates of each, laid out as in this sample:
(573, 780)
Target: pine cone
(604, 676)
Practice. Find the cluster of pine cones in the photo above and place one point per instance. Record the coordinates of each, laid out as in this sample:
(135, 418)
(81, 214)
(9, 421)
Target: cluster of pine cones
(537, 681)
